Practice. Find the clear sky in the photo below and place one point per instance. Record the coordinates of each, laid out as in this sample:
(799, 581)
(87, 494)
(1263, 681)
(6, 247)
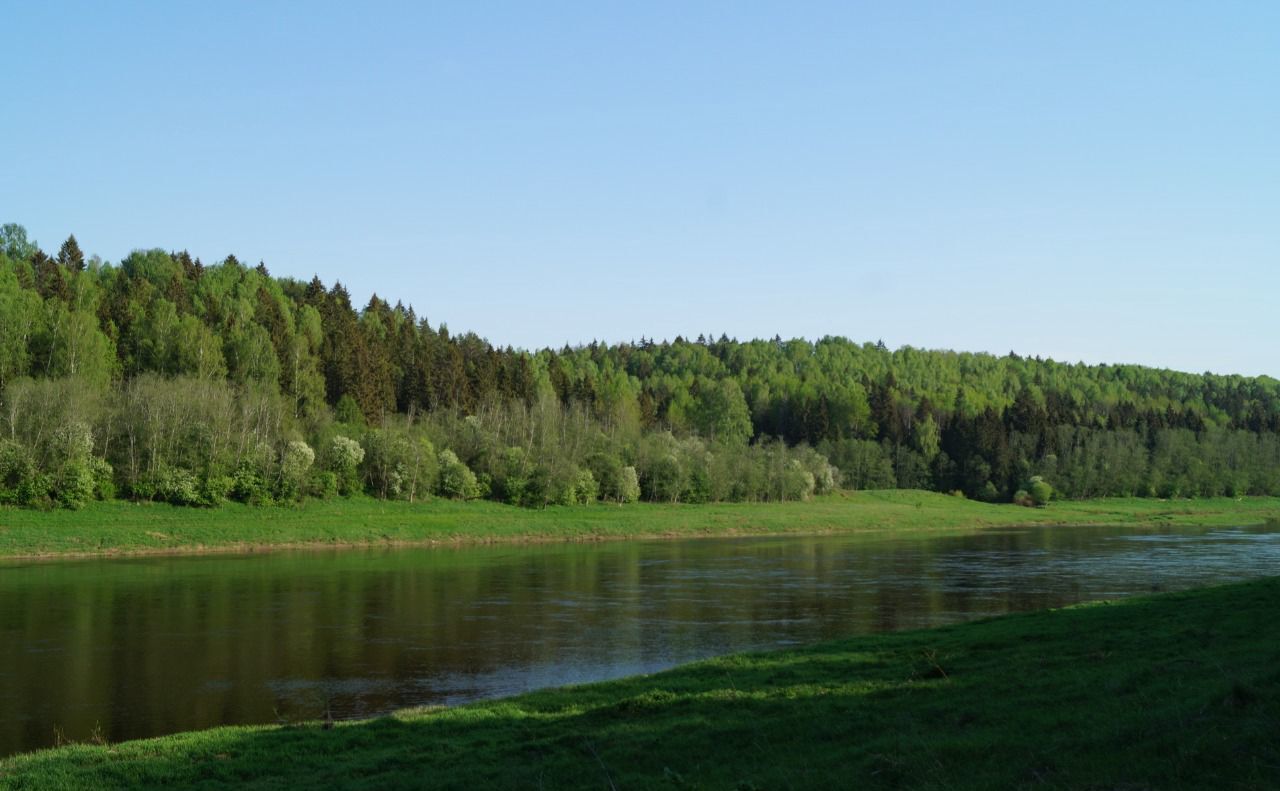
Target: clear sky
(1094, 181)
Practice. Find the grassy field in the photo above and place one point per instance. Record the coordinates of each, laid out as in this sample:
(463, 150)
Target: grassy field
(122, 527)
(1172, 691)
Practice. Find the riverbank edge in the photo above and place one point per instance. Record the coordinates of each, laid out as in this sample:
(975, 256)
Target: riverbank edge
(121, 530)
(1081, 694)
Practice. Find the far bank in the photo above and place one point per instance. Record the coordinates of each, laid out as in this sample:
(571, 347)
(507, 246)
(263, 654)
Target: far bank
(121, 528)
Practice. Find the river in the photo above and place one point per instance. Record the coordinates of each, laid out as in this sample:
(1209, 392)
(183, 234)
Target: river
(127, 648)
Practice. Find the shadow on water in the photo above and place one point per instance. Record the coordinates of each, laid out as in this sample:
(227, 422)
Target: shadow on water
(147, 646)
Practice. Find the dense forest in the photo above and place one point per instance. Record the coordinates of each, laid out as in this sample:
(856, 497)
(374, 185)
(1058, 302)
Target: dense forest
(162, 378)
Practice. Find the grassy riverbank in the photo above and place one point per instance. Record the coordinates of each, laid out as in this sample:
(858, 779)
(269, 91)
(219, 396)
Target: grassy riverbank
(1172, 691)
(121, 527)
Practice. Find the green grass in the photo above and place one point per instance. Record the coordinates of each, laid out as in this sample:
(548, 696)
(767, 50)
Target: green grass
(120, 527)
(1172, 691)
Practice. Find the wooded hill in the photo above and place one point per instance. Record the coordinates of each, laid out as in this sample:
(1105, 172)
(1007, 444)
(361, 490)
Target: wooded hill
(163, 378)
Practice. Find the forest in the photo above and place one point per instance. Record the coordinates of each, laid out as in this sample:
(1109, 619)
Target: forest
(161, 378)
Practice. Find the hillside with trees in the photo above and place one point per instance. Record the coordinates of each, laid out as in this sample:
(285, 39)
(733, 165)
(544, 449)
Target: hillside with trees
(162, 378)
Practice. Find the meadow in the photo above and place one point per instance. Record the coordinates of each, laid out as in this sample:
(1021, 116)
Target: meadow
(119, 527)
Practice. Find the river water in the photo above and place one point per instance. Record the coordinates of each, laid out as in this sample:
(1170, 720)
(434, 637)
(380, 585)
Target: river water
(127, 648)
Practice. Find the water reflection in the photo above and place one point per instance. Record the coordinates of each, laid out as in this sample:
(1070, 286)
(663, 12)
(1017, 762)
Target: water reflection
(147, 646)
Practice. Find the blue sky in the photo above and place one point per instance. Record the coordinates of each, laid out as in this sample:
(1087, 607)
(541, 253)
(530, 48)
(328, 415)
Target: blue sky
(1092, 181)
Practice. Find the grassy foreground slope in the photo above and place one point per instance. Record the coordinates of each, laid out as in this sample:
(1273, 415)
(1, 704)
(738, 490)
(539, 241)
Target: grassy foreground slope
(1172, 691)
(122, 527)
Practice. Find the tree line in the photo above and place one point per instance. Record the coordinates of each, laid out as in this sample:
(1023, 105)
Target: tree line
(163, 378)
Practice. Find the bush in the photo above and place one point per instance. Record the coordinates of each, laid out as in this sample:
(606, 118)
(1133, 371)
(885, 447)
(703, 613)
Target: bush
(74, 485)
(295, 461)
(178, 486)
(1023, 498)
(248, 485)
(1040, 490)
(142, 489)
(104, 485)
(629, 485)
(15, 468)
(342, 458)
(538, 488)
(795, 483)
(988, 493)
(457, 481)
(697, 483)
(215, 489)
(585, 488)
(664, 480)
(324, 485)
(607, 471)
(510, 476)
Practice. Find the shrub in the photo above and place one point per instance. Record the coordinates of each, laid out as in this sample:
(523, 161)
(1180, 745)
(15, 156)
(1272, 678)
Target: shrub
(73, 442)
(15, 468)
(1040, 490)
(538, 488)
(629, 485)
(178, 486)
(697, 483)
(585, 488)
(342, 458)
(142, 489)
(510, 476)
(457, 481)
(74, 485)
(295, 462)
(248, 485)
(104, 485)
(988, 493)
(215, 489)
(324, 485)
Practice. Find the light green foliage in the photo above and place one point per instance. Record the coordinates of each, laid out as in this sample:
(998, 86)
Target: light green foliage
(249, 484)
(628, 485)
(251, 356)
(863, 464)
(14, 243)
(927, 438)
(720, 412)
(585, 488)
(343, 458)
(20, 318)
(183, 366)
(456, 480)
(74, 481)
(1040, 490)
(825, 475)
(399, 463)
(295, 465)
(180, 487)
(70, 344)
(509, 476)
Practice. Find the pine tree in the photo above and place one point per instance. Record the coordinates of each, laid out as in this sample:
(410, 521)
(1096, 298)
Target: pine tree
(70, 255)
